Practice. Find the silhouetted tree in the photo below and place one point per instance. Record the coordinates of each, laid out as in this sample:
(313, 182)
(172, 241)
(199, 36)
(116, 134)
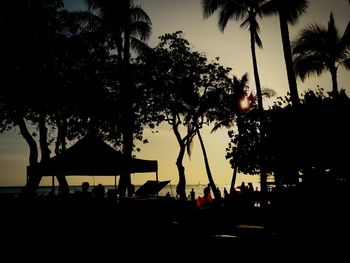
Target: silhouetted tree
(214, 81)
(305, 143)
(236, 107)
(29, 30)
(228, 112)
(65, 68)
(247, 11)
(289, 12)
(318, 48)
(128, 26)
(182, 79)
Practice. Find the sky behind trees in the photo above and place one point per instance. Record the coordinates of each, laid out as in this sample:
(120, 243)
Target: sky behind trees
(233, 48)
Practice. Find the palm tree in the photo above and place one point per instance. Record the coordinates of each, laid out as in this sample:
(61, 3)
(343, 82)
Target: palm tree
(289, 12)
(240, 10)
(319, 48)
(246, 10)
(128, 26)
(229, 111)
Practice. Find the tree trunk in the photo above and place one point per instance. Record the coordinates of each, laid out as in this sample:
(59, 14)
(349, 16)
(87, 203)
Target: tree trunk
(119, 43)
(61, 143)
(63, 188)
(236, 165)
(207, 167)
(125, 179)
(63, 135)
(256, 72)
(45, 151)
(181, 187)
(287, 51)
(33, 148)
(335, 90)
(127, 34)
(233, 181)
(263, 175)
(32, 179)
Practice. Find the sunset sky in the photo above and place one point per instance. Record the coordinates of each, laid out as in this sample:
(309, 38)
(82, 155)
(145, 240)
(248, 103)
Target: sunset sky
(233, 48)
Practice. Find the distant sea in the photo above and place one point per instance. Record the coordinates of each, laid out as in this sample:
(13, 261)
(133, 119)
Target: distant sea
(171, 188)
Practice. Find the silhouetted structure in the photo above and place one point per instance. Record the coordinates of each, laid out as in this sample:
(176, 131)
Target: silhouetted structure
(92, 156)
(151, 188)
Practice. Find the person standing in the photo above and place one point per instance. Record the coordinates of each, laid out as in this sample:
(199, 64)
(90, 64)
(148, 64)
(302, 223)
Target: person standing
(192, 195)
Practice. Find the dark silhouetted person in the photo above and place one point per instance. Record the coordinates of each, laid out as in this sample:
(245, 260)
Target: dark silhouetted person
(192, 195)
(85, 195)
(168, 195)
(99, 192)
(250, 187)
(207, 198)
(219, 192)
(250, 195)
(243, 187)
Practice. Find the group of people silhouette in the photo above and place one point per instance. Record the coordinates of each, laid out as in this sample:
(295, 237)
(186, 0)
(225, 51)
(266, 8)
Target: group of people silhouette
(246, 188)
(98, 192)
(244, 191)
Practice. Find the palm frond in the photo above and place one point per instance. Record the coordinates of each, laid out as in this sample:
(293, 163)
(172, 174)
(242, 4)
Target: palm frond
(269, 8)
(307, 65)
(268, 93)
(138, 14)
(141, 29)
(224, 16)
(225, 123)
(258, 40)
(210, 6)
(189, 147)
(293, 9)
(345, 39)
(92, 4)
(310, 38)
(346, 63)
(138, 45)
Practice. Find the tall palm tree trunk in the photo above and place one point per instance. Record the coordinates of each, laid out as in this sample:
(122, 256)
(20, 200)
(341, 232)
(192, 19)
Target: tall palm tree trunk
(207, 167)
(263, 175)
(125, 179)
(256, 72)
(287, 51)
(236, 165)
(335, 90)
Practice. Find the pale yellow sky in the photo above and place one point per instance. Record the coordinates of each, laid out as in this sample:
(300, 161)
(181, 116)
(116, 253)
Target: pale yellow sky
(233, 47)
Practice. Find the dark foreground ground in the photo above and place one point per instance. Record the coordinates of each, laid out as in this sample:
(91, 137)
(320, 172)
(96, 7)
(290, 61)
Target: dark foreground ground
(167, 230)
